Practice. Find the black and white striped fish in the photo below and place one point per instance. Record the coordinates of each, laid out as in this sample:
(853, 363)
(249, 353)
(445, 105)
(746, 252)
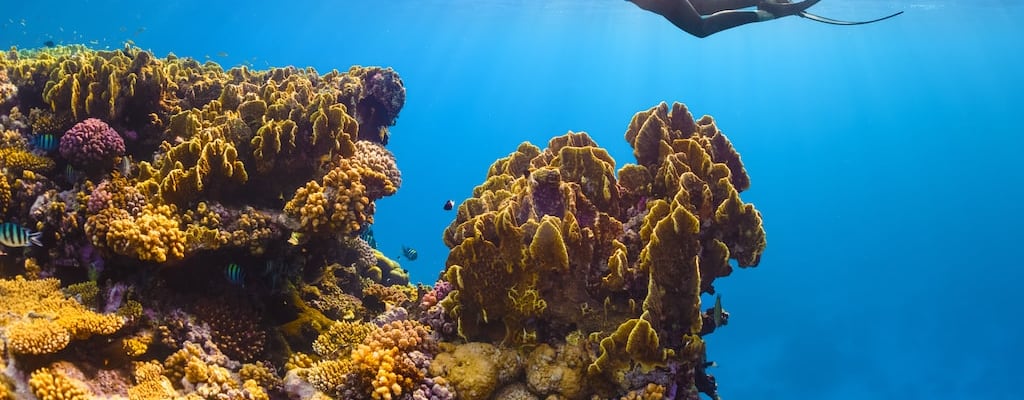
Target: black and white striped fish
(14, 235)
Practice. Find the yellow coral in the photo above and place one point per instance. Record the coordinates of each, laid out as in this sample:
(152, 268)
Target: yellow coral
(472, 368)
(137, 345)
(153, 235)
(206, 164)
(330, 376)
(18, 159)
(5, 193)
(259, 373)
(339, 205)
(39, 319)
(150, 383)
(49, 384)
(338, 341)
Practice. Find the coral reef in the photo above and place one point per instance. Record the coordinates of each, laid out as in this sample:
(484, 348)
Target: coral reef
(211, 229)
(566, 241)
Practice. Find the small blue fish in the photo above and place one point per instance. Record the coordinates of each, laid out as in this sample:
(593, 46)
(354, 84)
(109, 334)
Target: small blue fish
(409, 253)
(46, 142)
(235, 274)
(14, 235)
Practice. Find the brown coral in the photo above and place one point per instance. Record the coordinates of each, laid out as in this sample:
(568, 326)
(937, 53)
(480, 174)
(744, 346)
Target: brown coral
(553, 237)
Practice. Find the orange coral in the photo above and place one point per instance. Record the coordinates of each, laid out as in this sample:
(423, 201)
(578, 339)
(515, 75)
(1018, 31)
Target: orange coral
(382, 359)
(153, 235)
(50, 384)
(338, 205)
(39, 319)
(382, 162)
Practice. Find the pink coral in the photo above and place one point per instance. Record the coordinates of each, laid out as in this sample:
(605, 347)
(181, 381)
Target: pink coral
(91, 143)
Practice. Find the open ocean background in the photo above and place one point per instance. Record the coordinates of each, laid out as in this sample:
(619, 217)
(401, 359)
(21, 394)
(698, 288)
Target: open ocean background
(885, 159)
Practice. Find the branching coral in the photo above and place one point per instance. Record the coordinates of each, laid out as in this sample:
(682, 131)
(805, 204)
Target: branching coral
(339, 205)
(49, 384)
(153, 235)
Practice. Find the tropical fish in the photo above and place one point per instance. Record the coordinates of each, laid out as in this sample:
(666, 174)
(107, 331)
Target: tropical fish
(46, 142)
(448, 205)
(125, 166)
(72, 175)
(49, 43)
(367, 236)
(14, 235)
(409, 253)
(717, 311)
(235, 274)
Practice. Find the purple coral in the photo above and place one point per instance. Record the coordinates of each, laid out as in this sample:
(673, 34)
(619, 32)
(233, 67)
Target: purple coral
(90, 144)
(386, 89)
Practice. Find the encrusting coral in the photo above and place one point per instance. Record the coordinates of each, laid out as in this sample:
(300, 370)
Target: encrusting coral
(39, 319)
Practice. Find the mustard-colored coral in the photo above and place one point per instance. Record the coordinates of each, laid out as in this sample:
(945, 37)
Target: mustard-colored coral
(51, 385)
(16, 160)
(150, 383)
(205, 165)
(137, 345)
(5, 193)
(339, 340)
(39, 319)
(153, 235)
(472, 368)
(554, 239)
(338, 205)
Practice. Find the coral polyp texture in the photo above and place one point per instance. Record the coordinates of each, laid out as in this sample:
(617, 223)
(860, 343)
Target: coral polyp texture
(212, 228)
(554, 243)
(91, 143)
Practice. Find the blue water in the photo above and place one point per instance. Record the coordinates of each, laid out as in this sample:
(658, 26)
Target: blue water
(885, 158)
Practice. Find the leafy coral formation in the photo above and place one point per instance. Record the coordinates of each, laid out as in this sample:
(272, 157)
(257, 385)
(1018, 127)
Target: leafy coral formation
(574, 248)
(178, 179)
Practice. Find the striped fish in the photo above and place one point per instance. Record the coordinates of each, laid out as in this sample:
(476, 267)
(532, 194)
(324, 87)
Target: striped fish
(235, 274)
(46, 142)
(14, 235)
(410, 253)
